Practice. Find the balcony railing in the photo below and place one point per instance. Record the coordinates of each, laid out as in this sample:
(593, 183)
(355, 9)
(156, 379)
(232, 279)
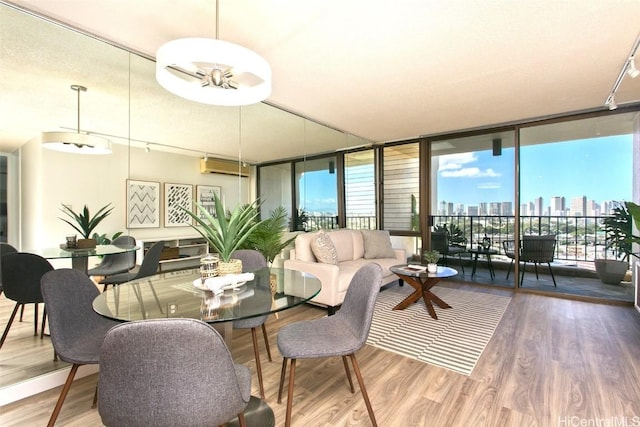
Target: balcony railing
(579, 239)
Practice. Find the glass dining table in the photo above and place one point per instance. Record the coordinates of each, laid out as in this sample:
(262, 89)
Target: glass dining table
(80, 257)
(180, 294)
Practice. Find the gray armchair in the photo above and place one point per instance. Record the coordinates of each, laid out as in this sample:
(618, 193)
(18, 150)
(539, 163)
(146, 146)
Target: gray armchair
(170, 372)
(536, 250)
(339, 335)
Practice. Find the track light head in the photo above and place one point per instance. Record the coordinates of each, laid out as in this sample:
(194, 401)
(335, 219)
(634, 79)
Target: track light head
(611, 103)
(633, 70)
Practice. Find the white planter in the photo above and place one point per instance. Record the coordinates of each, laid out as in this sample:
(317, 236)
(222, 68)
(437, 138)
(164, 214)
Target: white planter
(432, 268)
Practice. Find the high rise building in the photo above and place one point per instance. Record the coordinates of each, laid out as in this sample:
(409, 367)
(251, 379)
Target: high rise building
(538, 206)
(579, 206)
(506, 208)
(558, 206)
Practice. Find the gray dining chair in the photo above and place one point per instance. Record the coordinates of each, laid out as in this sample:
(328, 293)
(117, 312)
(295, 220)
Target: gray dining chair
(170, 372)
(339, 335)
(21, 274)
(76, 329)
(253, 260)
(5, 248)
(116, 263)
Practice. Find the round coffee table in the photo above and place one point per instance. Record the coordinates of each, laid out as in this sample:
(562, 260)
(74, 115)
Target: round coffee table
(422, 282)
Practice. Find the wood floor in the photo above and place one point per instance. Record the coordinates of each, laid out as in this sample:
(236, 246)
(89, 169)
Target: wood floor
(551, 362)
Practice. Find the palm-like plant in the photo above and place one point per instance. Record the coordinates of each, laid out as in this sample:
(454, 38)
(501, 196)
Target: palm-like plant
(225, 233)
(84, 222)
(267, 236)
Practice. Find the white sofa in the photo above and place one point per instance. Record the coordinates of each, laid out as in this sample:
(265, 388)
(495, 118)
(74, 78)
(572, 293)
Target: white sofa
(353, 249)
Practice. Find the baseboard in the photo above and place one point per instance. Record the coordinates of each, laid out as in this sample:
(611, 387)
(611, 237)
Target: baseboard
(14, 392)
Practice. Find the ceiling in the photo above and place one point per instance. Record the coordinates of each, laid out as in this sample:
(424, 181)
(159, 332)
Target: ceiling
(378, 70)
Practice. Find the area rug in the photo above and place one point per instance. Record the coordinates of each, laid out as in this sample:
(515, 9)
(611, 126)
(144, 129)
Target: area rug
(455, 341)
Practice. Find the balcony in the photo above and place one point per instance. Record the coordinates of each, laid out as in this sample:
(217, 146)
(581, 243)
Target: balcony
(579, 241)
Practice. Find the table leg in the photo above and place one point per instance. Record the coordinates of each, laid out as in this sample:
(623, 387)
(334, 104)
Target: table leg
(490, 265)
(422, 291)
(225, 329)
(80, 263)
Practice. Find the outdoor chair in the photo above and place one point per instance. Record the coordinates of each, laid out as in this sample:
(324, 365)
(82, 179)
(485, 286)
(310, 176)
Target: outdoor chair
(440, 243)
(536, 250)
(170, 372)
(116, 263)
(342, 334)
(509, 247)
(76, 330)
(21, 274)
(252, 261)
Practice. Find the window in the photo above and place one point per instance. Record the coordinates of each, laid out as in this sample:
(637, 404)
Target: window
(360, 190)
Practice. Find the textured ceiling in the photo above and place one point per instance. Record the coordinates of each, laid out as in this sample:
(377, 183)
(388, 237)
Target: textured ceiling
(378, 70)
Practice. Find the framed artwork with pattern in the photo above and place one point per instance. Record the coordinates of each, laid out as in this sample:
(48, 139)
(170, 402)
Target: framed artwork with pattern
(177, 197)
(143, 204)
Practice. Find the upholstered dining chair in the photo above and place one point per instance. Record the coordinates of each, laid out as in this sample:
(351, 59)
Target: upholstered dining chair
(170, 372)
(5, 248)
(76, 330)
(536, 250)
(148, 267)
(253, 260)
(116, 263)
(339, 335)
(21, 274)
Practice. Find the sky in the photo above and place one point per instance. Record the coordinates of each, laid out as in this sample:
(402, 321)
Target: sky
(598, 168)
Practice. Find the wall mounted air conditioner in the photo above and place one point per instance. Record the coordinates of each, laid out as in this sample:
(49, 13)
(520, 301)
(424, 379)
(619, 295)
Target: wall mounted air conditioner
(225, 167)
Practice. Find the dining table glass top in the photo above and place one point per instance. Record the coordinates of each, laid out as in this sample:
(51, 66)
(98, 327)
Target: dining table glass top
(179, 294)
(99, 250)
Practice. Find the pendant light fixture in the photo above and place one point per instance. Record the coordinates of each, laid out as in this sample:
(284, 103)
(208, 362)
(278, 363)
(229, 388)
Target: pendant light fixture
(213, 72)
(79, 143)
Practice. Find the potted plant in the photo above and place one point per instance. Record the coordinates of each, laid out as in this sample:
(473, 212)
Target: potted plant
(85, 223)
(431, 258)
(619, 237)
(225, 233)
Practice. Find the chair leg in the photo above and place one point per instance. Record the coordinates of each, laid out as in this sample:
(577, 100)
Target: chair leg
(21, 312)
(356, 369)
(509, 270)
(35, 319)
(6, 330)
(153, 290)
(94, 404)
(460, 262)
(266, 342)
(241, 420)
(535, 267)
(282, 372)
(63, 395)
(254, 336)
(552, 276)
(44, 322)
(346, 369)
(292, 374)
(524, 267)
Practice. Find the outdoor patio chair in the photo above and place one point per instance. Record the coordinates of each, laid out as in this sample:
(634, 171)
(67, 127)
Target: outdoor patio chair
(536, 250)
(509, 247)
(440, 243)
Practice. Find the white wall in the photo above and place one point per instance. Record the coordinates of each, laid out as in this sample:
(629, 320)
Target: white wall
(50, 178)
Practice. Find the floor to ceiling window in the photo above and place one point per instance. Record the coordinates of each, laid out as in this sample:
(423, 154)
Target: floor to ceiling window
(360, 190)
(316, 193)
(274, 186)
(572, 174)
(472, 204)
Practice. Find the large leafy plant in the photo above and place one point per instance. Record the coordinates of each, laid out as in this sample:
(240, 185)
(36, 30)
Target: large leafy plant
(267, 236)
(618, 229)
(225, 232)
(84, 223)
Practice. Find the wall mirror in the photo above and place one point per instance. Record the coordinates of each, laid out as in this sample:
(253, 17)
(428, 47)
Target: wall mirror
(40, 61)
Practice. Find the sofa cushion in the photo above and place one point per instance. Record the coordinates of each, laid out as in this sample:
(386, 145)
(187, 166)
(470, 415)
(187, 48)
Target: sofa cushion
(323, 248)
(377, 244)
(343, 242)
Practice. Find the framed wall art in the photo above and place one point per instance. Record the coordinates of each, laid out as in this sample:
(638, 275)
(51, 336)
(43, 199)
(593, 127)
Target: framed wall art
(204, 196)
(143, 204)
(176, 197)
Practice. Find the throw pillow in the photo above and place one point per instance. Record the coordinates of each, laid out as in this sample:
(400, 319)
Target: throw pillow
(323, 248)
(377, 244)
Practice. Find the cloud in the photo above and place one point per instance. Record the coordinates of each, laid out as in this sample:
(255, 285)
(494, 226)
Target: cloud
(470, 173)
(456, 161)
(489, 185)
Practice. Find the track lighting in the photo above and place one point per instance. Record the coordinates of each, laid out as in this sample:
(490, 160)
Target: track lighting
(611, 103)
(632, 70)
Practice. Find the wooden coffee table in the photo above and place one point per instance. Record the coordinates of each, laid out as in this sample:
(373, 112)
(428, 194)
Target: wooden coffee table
(422, 282)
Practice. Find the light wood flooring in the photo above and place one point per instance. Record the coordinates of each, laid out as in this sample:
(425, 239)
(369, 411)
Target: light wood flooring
(551, 362)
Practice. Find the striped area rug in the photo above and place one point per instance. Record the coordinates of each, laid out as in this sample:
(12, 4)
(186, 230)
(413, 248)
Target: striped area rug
(455, 341)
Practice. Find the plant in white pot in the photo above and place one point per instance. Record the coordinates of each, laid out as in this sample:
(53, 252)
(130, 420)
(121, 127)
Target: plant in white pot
(431, 258)
(226, 232)
(84, 223)
(619, 238)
